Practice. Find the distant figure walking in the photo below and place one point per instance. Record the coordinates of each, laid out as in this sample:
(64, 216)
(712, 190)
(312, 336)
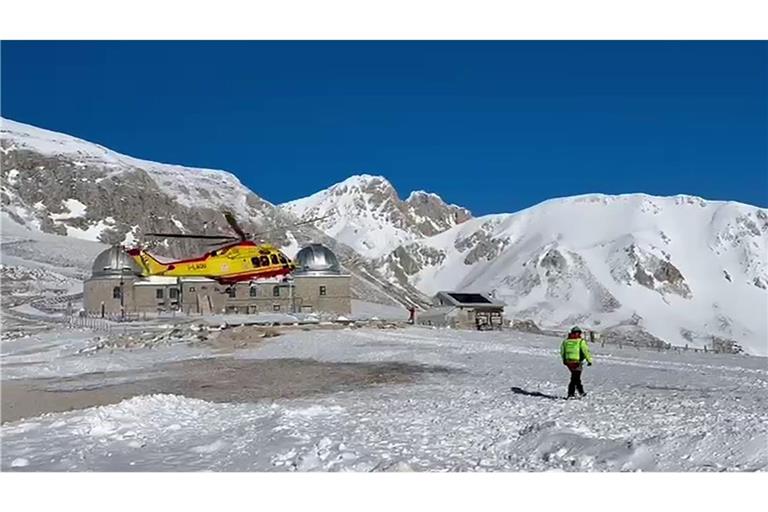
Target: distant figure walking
(411, 315)
(574, 351)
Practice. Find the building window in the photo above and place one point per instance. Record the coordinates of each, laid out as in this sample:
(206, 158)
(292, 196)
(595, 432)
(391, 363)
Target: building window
(116, 292)
(275, 307)
(276, 291)
(173, 293)
(159, 293)
(322, 290)
(232, 292)
(254, 291)
(255, 261)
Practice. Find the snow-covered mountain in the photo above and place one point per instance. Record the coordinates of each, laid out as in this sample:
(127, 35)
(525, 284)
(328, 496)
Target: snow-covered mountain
(67, 186)
(58, 184)
(366, 213)
(680, 269)
(672, 270)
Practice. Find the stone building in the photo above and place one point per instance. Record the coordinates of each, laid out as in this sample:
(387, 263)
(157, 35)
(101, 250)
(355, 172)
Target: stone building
(463, 311)
(116, 288)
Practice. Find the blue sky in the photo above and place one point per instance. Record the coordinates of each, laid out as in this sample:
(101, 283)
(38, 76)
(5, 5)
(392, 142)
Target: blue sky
(493, 126)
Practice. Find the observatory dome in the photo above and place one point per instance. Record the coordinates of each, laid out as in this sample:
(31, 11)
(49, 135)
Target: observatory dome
(114, 262)
(317, 259)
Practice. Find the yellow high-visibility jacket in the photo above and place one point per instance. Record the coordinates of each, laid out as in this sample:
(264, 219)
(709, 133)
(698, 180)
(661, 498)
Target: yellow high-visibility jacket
(575, 350)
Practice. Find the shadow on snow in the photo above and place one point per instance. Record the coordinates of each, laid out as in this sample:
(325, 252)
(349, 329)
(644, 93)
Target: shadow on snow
(521, 391)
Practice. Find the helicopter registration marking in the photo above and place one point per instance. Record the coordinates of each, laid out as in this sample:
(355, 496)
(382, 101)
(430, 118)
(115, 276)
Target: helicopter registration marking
(197, 266)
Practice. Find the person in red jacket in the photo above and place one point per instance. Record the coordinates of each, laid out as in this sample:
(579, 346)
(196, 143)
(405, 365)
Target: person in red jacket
(574, 351)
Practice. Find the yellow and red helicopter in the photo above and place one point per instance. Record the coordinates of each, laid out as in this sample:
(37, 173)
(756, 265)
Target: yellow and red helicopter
(239, 259)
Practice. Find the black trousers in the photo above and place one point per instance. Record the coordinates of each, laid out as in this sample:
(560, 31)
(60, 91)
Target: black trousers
(575, 384)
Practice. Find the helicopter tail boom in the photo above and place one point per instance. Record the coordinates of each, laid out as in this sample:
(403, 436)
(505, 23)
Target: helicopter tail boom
(148, 263)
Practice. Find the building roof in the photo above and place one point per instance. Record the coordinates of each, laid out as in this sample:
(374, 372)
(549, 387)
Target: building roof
(469, 298)
(114, 263)
(318, 260)
(466, 299)
(156, 280)
(196, 279)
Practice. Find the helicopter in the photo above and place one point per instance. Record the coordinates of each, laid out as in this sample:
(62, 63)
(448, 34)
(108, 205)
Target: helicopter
(239, 259)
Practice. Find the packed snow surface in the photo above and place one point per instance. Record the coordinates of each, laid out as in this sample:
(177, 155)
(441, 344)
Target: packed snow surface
(489, 402)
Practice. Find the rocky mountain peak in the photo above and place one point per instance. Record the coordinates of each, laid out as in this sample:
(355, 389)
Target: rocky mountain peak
(366, 212)
(364, 182)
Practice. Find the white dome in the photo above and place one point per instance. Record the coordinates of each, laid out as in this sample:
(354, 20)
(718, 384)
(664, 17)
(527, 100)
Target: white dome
(317, 259)
(114, 262)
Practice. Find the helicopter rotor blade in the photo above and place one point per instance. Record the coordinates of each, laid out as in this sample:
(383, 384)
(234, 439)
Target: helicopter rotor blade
(234, 225)
(278, 228)
(223, 243)
(201, 237)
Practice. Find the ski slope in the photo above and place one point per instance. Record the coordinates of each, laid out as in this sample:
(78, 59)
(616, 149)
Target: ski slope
(484, 402)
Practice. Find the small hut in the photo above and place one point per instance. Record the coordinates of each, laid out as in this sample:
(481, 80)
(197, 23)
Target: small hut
(462, 310)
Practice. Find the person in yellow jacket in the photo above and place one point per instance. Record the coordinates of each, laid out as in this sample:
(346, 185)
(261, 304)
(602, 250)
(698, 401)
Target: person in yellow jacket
(574, 351)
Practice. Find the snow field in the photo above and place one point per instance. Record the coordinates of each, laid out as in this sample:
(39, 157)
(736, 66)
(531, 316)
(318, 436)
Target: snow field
(486, 402)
